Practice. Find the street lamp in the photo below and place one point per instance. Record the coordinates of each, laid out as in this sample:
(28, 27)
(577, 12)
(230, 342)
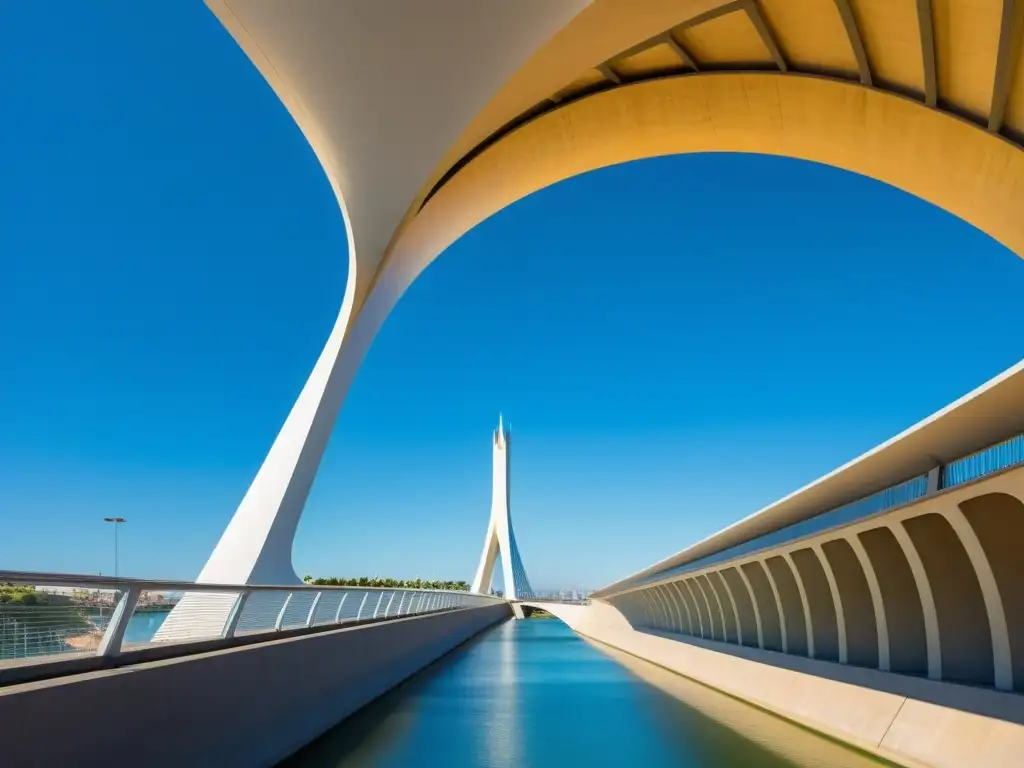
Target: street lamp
(117, 522)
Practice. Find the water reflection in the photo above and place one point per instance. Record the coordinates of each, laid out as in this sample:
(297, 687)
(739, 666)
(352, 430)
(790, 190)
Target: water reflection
(503, 735)
(792, 744)
(533, 694)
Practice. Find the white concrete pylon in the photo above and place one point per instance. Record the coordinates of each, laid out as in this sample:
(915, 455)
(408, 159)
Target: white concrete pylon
(500, 537)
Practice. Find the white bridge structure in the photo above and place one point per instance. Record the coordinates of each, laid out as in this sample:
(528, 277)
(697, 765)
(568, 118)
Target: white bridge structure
(500, 537)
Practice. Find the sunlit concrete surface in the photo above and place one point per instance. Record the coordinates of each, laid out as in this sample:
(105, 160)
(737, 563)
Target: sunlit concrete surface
(249, 705)
(429, 119)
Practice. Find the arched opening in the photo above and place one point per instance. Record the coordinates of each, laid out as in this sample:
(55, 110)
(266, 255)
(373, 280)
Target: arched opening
(904, 615)
(858, 610)
(771, 624)
(744, 606)
(792, 606)
(819, 599)
(963, 623)
(998, 521)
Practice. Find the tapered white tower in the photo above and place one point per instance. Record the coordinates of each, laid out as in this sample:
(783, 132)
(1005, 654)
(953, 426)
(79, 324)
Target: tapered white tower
(500, 537)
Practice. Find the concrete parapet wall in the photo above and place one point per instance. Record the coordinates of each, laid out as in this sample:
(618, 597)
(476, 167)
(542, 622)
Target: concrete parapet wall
(247, 706)
(910, 720)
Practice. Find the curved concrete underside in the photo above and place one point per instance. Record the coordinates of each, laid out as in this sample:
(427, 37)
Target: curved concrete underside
(429, 121)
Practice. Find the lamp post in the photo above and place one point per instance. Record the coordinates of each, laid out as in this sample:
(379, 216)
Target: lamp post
(117, 522)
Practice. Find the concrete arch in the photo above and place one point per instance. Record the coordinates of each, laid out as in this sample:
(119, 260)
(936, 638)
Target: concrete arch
(908, 646)
(878, 607)
(777, 596)
(641, 612)
(1002, 663)
(736, 627)
(691, 602)
(704, 604)
(749, 592)
(793, 605)
(767, 606)
(742, 600)
(959, 602)
(837, 602)
(703, 613)
(927, 153)
(998, 522)
(690, 624)
(858, 610)
(933, 639)
(672, 618)
(716, 602)
(804, 602)
(661, 620)
(702, 595)
(820, 605)
(647, 600)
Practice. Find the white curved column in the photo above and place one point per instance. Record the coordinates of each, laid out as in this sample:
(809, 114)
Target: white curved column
(659, 610)
(682, 601)
(1002, 663)
(696, 607)
(778, 602)
(718, 601)
(647, 601)
(881, 625)
(803, 600)
(707, 604)
(837, 601)
(643, 613)
(732, 602)
(657, 607)
(924, 591)
(677, 624)
(753, 602)
(666, 612)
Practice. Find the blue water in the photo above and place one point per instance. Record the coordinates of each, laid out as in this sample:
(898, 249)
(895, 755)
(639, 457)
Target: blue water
(531, 693)
(142, 626)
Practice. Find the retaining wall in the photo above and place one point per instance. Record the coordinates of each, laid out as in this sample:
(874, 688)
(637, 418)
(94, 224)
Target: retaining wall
(246, 706)
(909, 720)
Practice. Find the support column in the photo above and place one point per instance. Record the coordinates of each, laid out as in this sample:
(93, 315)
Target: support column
(804, 602)
(732, 602)
(753, 602)
(693, 597)
(924, 591)
(778, 603)
(682, 601)
(876, 599)
(837, 601)
(1003, 665)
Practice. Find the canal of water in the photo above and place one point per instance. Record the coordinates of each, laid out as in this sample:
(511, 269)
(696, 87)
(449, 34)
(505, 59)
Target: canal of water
(532, 694)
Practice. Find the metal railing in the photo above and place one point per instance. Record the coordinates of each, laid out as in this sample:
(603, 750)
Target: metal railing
(976, 466)
(985, 462)
(66, 614)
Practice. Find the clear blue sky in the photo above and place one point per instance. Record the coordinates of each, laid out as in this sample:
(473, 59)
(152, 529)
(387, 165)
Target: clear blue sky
(676, 342)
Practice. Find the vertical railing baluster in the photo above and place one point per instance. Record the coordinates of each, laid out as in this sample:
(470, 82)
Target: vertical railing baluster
(110, 645)
(231, 625)
(280, 616)
(311, 617)
(337, 613)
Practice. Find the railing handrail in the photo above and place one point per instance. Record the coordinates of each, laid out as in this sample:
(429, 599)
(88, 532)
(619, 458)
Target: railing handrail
(84, 581)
